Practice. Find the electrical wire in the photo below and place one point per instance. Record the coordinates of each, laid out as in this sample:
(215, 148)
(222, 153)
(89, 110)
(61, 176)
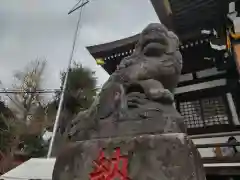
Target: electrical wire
(54, 90)
(39, 91)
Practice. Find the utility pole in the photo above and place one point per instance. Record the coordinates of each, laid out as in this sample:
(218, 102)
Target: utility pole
(77, 6)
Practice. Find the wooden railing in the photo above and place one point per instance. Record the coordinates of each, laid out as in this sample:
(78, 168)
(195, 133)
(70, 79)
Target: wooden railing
(222, 165)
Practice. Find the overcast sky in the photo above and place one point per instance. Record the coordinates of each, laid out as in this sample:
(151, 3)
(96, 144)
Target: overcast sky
(42, 28)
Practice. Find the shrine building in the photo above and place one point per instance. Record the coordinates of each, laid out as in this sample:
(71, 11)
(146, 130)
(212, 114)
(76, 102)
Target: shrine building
(207, 94)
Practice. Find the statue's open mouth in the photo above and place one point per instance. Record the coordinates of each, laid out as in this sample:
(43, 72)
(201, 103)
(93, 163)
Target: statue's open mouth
(154, 48)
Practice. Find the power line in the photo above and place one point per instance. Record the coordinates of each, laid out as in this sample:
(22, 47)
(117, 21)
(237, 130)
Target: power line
(39, 91)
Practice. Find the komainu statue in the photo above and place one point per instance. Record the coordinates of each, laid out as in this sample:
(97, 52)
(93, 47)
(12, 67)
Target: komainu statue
(132, 130)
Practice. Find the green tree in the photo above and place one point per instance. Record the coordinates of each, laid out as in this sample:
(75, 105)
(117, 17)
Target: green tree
(6, 127)
(81, 88)
(8, 142)
(79, 95)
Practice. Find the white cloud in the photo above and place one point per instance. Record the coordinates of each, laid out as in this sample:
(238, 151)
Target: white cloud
(42, 28)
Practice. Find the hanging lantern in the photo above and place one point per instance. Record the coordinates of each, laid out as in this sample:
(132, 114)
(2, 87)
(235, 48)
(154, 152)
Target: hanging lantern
(236, 48)
(234, 35)
(100, 61)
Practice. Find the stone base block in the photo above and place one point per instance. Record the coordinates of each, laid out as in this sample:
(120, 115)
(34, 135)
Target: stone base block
(146, 157)
(153, 118)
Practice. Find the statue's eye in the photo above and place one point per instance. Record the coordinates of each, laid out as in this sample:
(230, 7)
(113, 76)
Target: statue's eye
(145, 32)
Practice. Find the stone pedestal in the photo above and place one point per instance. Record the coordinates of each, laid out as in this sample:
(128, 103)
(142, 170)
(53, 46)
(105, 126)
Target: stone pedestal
(152, 117)
(150, 157)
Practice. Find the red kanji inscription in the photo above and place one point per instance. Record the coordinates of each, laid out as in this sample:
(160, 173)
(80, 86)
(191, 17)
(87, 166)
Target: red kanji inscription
(108, 169)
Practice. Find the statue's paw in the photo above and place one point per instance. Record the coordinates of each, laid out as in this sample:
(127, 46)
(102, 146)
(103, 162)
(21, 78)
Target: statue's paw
(126, 63)
(136, 99)
(168, 96)
(122, 65)
(162, 94)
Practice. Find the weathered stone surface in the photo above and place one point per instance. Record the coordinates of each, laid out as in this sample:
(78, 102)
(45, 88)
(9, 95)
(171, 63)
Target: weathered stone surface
(142, 84)
(144, 116)
(141, 121)
(135, 112)
(163, 157)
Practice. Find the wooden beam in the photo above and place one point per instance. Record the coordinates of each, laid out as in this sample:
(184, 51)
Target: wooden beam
(212, 160)
(164, 12)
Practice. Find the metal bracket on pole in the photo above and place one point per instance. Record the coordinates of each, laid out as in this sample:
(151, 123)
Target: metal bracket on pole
(77, 7)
